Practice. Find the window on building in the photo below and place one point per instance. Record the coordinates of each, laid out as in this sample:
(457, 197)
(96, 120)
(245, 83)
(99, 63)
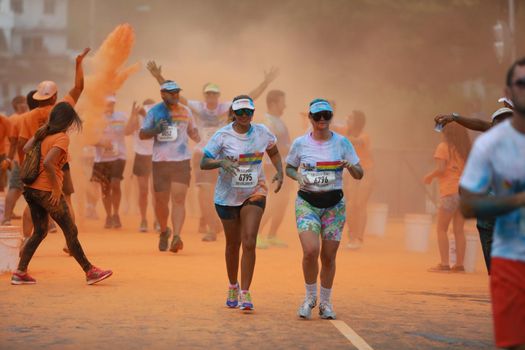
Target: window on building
(49, 7)
(32, 45)
(17, 6)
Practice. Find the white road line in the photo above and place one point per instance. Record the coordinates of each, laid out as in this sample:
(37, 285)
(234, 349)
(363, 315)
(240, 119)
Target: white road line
(351, 335)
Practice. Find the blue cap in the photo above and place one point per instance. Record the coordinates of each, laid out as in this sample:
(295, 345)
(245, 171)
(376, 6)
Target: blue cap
(170, 85)
(320, 106)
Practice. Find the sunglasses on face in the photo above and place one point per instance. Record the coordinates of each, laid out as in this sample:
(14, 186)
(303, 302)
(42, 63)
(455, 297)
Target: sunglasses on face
(244, 111)
(326, 115)
(520, 83)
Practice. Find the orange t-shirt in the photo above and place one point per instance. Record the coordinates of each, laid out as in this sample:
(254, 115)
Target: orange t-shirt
(5, 127)
(449, 181)
(363, 152)
(34, 119)
(60, 140)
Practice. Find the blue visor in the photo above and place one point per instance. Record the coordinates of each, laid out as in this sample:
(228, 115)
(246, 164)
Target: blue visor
(320, 107)
(170, 86)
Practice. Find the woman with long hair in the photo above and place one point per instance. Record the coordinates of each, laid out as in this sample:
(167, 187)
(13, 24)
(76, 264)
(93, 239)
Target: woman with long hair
(450, 155)
(317, 161)
(240, 194)
(45, 198)
(359, 191)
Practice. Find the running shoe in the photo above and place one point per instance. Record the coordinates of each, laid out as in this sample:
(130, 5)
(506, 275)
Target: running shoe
(143, 226)
(262, 243)
(326, 311)
(176, 244)
(18, 278)
(116, 221)
(209, 237)
(156, 226)
(276, 242)
(163, 239)
(305, 310)
(246, 301)
(95, 275)
(233, 297)
(109, 222)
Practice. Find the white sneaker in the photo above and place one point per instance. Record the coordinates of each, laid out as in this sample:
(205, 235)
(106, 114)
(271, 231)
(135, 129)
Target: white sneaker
(305, 310)
(326, 311)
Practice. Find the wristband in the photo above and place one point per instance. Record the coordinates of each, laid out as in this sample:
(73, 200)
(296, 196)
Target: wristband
(455, 116)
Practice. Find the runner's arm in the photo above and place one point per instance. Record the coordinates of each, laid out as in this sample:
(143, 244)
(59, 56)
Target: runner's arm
(79, 76)
(354, 169)
(469, 123)
(50, 165)
(156, 72)
(482, 205)
(133, 121)
(437, 172)
(277, 162)
(268, 78)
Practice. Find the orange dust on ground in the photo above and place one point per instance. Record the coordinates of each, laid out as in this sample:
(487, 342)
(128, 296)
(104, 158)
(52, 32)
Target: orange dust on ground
(159, 300)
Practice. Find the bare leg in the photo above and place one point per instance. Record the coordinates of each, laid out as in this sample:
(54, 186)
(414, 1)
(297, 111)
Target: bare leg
(328, 255)
(232, 231)
(143, 195)
(459, 236)
(443, 220)
(250, 219)
(311, 246)
(116, 195)
(178, 206)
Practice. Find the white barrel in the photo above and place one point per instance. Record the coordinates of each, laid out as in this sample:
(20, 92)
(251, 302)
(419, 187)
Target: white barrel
(10, 240)
(377, 216)
(2, 205)
(417, 232)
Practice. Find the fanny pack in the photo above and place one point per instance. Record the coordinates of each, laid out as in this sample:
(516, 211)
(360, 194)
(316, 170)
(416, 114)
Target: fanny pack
(322, 200)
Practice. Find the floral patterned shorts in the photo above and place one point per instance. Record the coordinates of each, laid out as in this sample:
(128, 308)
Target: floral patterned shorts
(327, 222)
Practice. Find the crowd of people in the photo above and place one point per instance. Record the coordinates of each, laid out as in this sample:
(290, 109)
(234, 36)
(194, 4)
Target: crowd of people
(219, 143)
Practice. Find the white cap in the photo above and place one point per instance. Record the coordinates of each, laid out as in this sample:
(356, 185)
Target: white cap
(243, 103)
(45, 90)
(501, 111)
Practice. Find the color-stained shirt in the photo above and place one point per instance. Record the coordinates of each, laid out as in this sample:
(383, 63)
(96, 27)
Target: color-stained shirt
(320, 161)
(208, 120)
(34, 119)
(172, 144)
(497, 162)
(449, 180)
(61, 141)
(114, 133)
(247, 150)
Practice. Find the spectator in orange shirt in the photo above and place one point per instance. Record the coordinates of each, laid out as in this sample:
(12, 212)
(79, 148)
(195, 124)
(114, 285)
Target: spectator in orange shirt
(45, 197)
(4, 133)
(21, 105)
(451, 155)
(359, 191)
(15, 183)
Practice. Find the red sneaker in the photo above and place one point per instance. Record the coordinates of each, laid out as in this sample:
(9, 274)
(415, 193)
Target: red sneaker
(22, 278)
(95, 275)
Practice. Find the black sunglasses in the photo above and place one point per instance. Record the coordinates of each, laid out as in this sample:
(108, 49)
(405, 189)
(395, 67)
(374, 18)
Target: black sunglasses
(326, 115)
(244, 111)
(520, 83)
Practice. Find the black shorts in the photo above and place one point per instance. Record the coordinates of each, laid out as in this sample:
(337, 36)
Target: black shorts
(226, 212)
(142, 165)
(104, 172)
(203, 176)
(164, 173)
